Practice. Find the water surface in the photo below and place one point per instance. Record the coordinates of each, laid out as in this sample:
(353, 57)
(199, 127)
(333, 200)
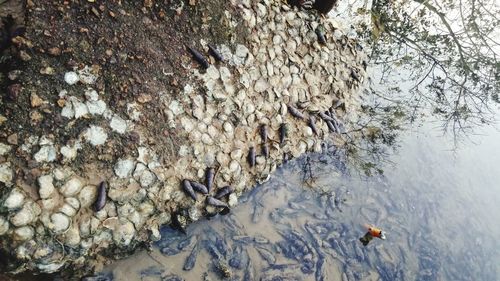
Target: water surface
(438, 207)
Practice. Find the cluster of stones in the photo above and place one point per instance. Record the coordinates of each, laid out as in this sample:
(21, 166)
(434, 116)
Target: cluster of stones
(281, 65)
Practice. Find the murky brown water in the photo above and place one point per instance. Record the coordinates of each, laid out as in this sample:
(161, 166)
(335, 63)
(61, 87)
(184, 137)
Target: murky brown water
(438, 208)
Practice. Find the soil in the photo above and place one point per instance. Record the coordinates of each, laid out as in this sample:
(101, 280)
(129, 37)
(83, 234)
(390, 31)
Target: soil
(138, 49)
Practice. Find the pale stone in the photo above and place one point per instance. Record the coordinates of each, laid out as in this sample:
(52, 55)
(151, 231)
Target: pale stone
(123, 168)
(25, 216)
(47, 153)
(71, 187)
(4, 225)
(68, 210)
(124, 233)
(71, 77)
(87, 196)
(46, 187)
(91, 95)
(147, 179)
(96, 107)
(118, 124)
(79, 108)
(6, 174)
(233, 200)
(86, 76)
(60, 222)
(23, 233)
(14, 200)
(96, 135)
(4, 149)
(72, 237)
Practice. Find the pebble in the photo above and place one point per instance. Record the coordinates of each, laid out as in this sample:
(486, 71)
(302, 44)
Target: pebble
(87, 196)
(4, 225)
(23, 233)
(118, 124)
(123, 233)
(6, 174)
(4, 149)
(60, 222)
(14, 200)
(96, 135)
(123, 168)
(71, 187)
(47, 153)
(71, 78)
(46, 186)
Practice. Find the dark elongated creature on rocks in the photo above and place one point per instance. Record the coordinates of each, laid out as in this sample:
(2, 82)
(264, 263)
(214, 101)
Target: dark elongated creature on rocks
(251, 156)
(186, 186)
(198, 57)
(100, 202)
(209, 178)
(199, 187)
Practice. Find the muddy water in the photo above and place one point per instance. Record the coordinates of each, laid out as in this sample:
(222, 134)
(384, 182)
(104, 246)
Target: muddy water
(439, 209)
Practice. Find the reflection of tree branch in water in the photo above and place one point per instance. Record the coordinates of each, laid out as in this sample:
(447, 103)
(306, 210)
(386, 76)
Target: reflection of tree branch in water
(307, 175)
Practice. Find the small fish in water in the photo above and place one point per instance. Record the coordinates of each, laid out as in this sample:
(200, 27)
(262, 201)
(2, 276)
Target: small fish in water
(186, 186)
(320, 32)
(209, 178)
(199, 187)
(101, 196)
(312, 124)
(295, 112)
(226, 190)
(251, 156)
(266, 255)
(283, 132)
(372, 232)
(198, 57)
(216, 202)
(263, 132)
(191, 259)
(265, 150)
(215, 53)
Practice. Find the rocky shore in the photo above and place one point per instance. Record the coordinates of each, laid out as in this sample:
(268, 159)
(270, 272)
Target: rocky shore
(107, 101)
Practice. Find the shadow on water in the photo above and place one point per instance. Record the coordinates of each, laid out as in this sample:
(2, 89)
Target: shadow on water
(305, 224)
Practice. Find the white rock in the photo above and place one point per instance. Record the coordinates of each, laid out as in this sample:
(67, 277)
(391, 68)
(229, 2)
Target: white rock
(24, 216)
(118, 124)
(147, 179)
(133, 111)
(194, 213)
(50, 268)
(123, 168)
(71, 77)
(87, 196)
(233, 200)
(47, 153)
(46, 186)
(96, 107)
(70, 152)
(176, 108)
(261, 85)
(4, 225)
(72, 236)
(225, 74)
(241, 51)
(206, 139)
(86, 75)
(228, 128)
(14, 200)
(73, 202)
(68, 210)
(68, 110)
(71, 187)
(123, 233)
(91, 95)
(6, 174)
(24, 233)
(80, 108)
(60, 222)
(96, 135)
(4, 149)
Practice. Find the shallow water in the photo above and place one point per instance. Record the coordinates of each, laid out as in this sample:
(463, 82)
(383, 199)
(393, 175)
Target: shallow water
(439, 209)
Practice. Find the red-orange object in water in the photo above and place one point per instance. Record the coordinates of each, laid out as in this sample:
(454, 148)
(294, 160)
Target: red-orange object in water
(376, 232)
(372, 232)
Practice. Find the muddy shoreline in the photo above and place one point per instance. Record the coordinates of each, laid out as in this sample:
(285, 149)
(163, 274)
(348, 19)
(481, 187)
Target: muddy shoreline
(109, 92)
